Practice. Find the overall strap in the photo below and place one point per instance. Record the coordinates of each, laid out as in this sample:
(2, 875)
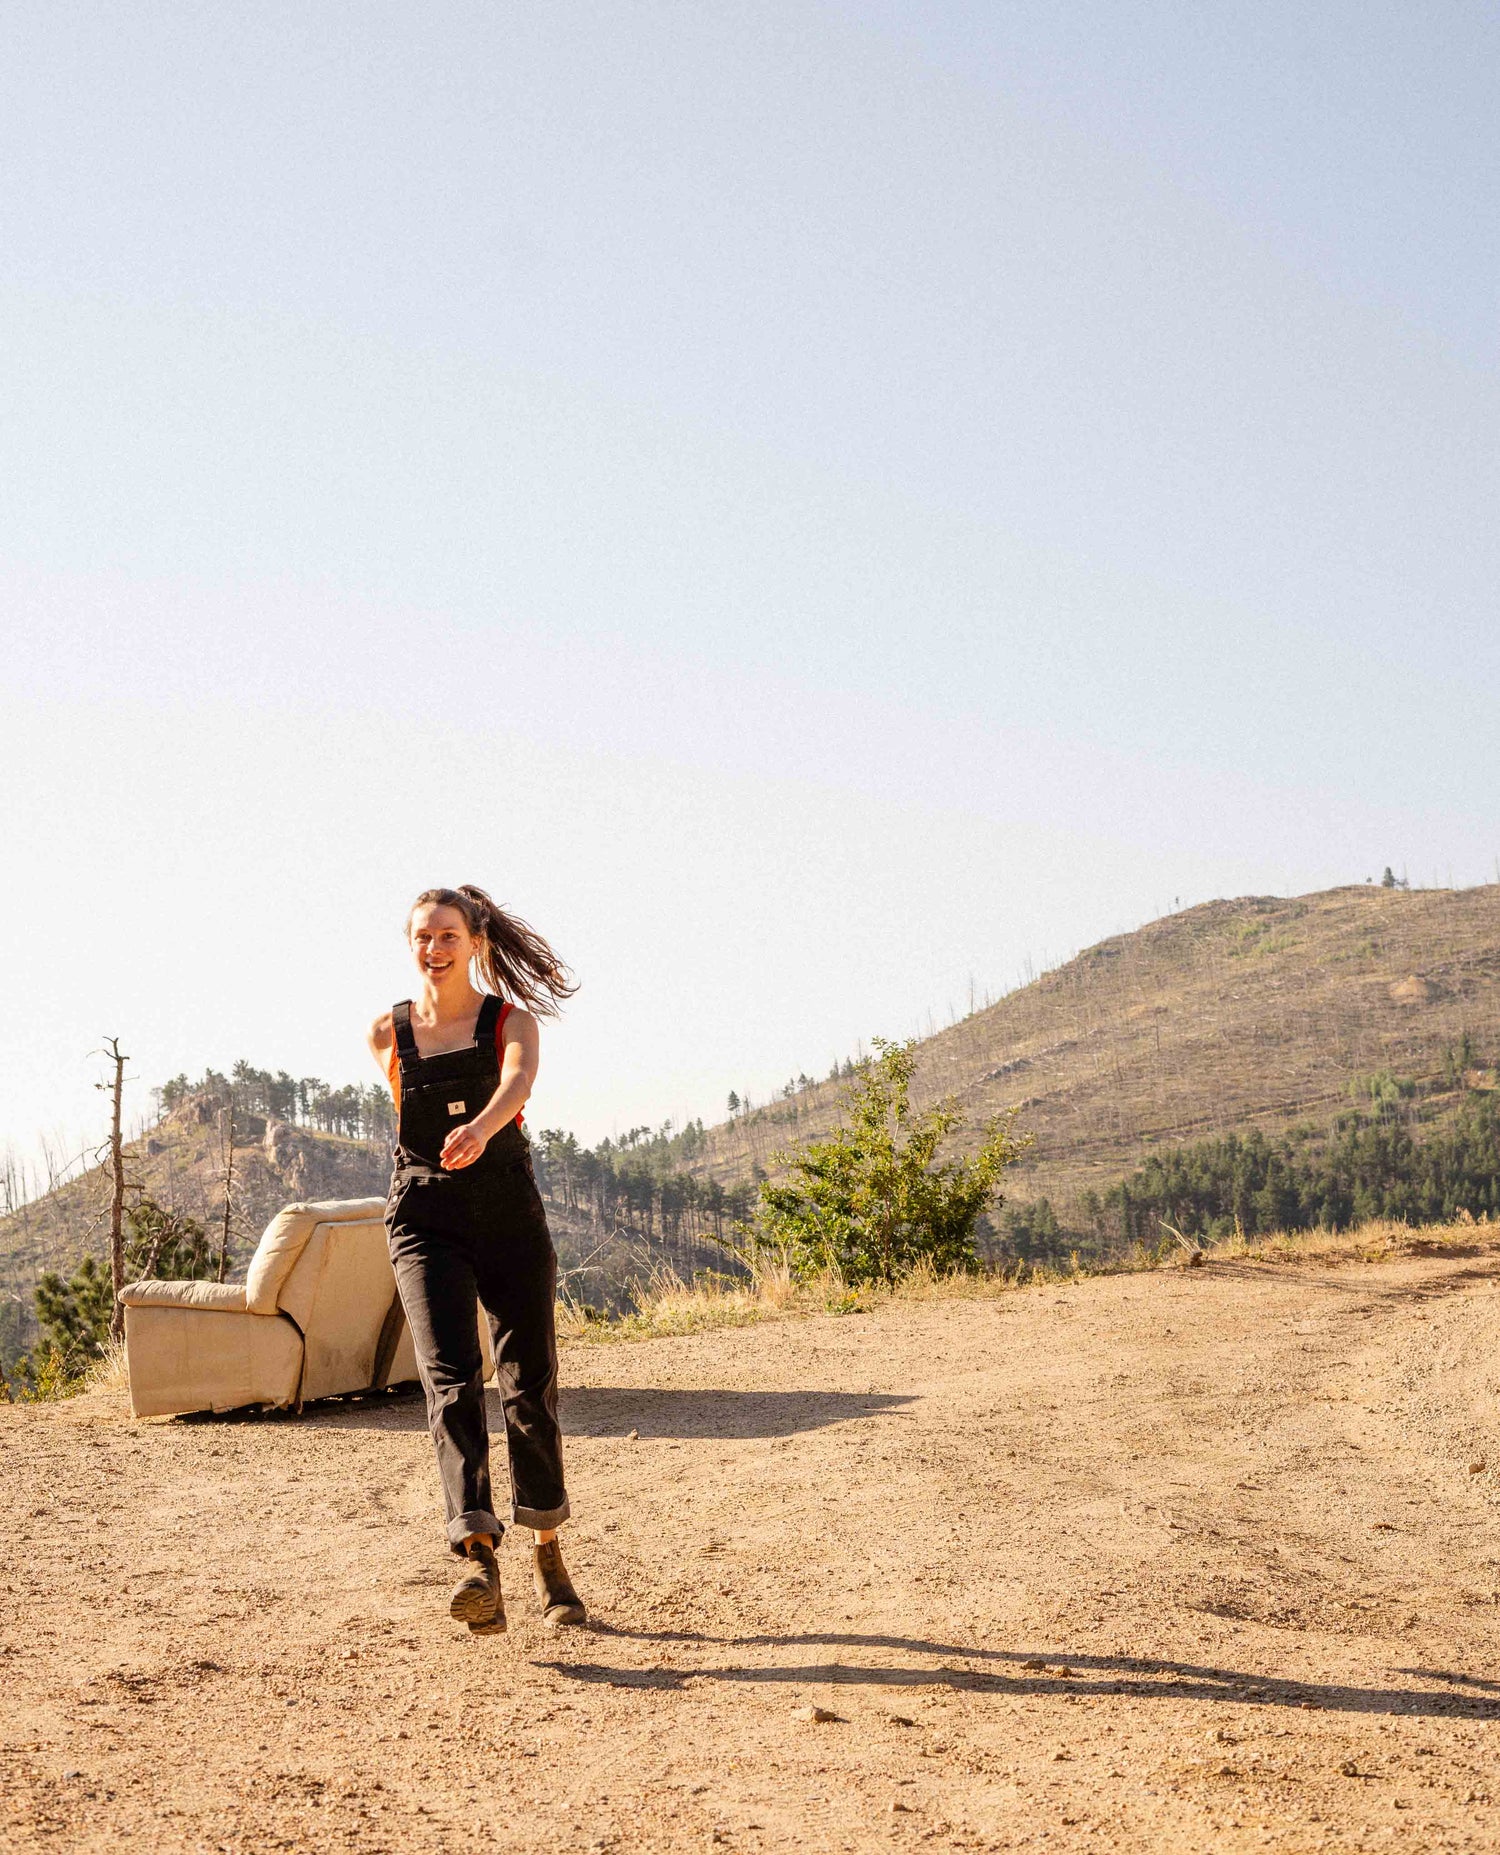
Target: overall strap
(488, 1021)
(406, 1040)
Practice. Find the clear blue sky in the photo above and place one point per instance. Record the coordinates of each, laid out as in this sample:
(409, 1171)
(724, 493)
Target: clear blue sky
(808, 502)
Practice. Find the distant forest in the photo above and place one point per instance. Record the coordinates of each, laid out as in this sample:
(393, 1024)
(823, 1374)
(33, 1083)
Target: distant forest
(638, 1183)
(1387, 1156)
(358, 1113)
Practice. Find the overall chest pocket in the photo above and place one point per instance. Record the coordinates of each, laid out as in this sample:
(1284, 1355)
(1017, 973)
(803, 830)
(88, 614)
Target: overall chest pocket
(440, 1093)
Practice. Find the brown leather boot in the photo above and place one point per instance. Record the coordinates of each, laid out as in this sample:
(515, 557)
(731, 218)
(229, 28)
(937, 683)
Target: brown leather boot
(561, 1604)
(476, 1598)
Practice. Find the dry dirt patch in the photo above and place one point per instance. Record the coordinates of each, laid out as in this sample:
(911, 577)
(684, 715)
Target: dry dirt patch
(1197, 1560)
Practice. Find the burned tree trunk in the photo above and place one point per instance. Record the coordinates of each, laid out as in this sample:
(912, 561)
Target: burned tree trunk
(226, 1140)
(117, 1190)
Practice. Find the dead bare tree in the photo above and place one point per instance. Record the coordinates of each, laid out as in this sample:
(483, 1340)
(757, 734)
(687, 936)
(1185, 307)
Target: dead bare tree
(117, 1187)
(226, 1148)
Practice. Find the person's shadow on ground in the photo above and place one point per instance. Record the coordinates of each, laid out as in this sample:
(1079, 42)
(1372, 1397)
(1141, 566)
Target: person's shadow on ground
(1022, 1672)
(690, 1415)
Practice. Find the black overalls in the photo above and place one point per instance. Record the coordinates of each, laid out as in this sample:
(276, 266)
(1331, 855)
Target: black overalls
(478, 1232)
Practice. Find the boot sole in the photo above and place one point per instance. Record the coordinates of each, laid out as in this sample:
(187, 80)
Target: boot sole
(472, 1607)
(492, 1626)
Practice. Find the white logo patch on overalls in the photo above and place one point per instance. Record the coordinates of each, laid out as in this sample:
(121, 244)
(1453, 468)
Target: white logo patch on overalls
(455, 1107)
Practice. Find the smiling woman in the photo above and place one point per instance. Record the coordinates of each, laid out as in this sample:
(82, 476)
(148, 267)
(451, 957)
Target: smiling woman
(465, 1220)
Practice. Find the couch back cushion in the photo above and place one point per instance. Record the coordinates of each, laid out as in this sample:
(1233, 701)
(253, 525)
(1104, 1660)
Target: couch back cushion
(339, 1294)
(286, 1237)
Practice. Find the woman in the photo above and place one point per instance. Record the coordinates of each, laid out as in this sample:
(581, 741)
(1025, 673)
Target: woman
(466, 1222)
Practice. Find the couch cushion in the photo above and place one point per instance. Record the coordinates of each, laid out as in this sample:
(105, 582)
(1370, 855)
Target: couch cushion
(218, 1297)
(286, 1237)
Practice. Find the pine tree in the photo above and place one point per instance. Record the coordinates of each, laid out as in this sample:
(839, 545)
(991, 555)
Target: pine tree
(75, 1315)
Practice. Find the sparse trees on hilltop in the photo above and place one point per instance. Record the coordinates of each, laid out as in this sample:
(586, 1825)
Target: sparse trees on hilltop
(638, 1185)
(307, 1101)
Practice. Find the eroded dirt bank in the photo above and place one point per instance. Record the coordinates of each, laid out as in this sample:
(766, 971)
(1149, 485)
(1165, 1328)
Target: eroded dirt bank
(1193, 1561)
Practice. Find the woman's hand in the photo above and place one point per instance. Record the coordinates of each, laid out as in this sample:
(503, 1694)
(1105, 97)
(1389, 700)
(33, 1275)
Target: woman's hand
(464, 1144)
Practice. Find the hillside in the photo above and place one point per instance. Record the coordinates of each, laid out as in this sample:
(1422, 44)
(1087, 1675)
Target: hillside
(180, 1163)
(1232, 1015)
(1196, 1560)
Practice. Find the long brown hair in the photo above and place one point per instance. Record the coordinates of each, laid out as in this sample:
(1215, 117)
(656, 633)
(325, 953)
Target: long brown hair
(512, 958)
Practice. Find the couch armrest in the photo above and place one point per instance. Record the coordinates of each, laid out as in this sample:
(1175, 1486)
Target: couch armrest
(212, 1297)
(186, 1358)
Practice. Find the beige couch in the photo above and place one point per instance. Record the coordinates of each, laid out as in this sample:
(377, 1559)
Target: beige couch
(308, 1322)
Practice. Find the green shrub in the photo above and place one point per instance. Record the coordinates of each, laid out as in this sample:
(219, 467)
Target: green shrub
(874, 1200)
(1383, 1088)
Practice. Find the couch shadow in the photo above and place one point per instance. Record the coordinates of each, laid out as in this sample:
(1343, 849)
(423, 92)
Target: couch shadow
(675, 1416)
(1023, 1672)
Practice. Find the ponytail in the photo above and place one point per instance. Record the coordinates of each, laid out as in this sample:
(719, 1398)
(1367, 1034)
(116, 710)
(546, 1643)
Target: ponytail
(513, 959)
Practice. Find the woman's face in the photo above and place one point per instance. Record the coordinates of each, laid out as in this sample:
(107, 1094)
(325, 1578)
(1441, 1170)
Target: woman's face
(441, 942)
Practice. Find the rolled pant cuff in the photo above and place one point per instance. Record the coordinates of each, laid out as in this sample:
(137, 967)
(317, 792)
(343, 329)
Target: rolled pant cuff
(540, 1517)
(479, 1521)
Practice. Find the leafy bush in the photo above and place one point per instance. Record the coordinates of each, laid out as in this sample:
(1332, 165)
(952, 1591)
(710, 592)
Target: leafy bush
(873, 1199)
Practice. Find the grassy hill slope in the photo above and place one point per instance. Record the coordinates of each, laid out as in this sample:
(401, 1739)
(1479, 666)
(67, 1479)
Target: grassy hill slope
(1232, 1015)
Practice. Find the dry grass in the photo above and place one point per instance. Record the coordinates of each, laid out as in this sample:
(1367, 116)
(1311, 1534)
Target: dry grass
(1381, 1240)
(667, 1305)
(108, 1372)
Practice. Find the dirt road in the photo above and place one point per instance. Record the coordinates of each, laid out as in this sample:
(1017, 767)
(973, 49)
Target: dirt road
(1188, 1561)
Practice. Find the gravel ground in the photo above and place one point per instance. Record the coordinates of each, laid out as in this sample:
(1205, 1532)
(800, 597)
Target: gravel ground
(1197, 1560)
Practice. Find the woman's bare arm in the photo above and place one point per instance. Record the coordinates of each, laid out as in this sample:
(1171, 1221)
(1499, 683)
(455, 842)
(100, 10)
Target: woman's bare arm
(379, 1040)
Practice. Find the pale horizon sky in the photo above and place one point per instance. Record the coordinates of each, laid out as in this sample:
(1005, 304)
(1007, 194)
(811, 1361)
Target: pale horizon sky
(807, 504)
